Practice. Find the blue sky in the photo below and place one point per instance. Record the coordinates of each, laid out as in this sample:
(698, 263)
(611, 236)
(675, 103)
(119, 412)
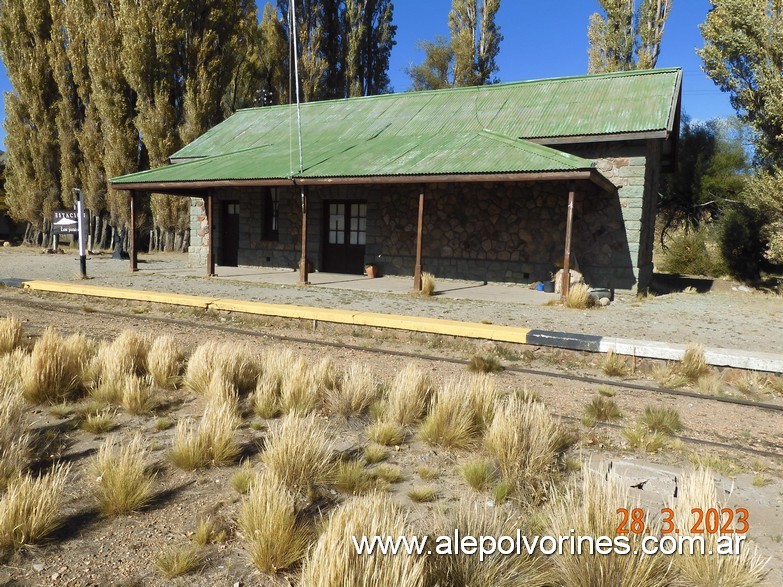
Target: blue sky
(541, 41)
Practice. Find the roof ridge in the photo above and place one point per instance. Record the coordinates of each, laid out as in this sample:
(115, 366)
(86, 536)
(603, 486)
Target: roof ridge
(485, 87)
(541, 150)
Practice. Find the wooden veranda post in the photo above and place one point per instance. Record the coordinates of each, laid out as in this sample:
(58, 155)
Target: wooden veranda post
(566, 284)
(303, 274)
(210, 235)
(419, 234)
(134, 255)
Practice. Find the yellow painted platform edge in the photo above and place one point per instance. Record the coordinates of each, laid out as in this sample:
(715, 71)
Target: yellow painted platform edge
(424, 325)
(138, 295)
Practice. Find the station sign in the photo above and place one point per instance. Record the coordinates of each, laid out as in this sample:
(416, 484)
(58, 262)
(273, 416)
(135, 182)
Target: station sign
(67, 221)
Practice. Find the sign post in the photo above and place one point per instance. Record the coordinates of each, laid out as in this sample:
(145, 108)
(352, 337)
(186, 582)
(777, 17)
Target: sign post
(80, 218)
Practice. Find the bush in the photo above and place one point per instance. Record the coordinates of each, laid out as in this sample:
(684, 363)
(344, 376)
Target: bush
(741, 242)
(695, 252)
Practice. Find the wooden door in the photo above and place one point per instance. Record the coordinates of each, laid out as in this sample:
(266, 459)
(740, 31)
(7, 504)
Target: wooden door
(345, 236)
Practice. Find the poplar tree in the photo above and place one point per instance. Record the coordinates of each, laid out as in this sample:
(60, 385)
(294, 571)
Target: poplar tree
(273, 57)
(78, 17)
(368, 35)
(311, 42)
(475, 39)
(68, 108)
(468, 56)
(623, 38)
(32, 181)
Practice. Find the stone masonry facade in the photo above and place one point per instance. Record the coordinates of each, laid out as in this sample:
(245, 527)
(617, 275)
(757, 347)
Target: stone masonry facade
(501, 232)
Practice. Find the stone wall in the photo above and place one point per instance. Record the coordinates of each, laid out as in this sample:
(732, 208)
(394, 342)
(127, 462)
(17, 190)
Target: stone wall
(486, 232)
(625, 164)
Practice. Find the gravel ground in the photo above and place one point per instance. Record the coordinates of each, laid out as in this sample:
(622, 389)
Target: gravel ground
(94, 550)
(725, 317)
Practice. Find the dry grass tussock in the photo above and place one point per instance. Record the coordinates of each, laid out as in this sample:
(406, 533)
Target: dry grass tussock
(212, 442)
(104, 376)
(299, 451)
(265, 399)
(386, 433)
(274, 535)
(288, 385)
(130, 349)
(326, 375)
(358, 389)
(698, 490)
(693, 364)
(30, 508)
(578, 297)
(496, 570)
(524, 439)
(485, 363)
(602, 409)
(614, 365)
(669, 376)
(590, 509)
(639, 438)
(220, 390)
(138, 395)
(10, 334)
(52, 372)
(333, 560)
(124, 481)
(14, 439)
(113, 361)
(661, 419)
(351, 477)
(98, 422)
(479, 473)
(428, 284)
(179, 560)
(11, 371)
(165, 361)
(299, 389)
(409, 396)
(461, 411)
(239, 366)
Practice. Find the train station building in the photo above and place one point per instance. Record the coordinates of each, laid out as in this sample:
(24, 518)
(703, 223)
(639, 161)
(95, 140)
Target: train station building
(490, 183)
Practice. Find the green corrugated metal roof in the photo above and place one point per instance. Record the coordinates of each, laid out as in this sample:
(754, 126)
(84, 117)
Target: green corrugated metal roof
(428, 133)
(464, 153)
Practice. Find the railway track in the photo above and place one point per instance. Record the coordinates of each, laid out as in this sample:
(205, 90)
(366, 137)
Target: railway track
(59, 307)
